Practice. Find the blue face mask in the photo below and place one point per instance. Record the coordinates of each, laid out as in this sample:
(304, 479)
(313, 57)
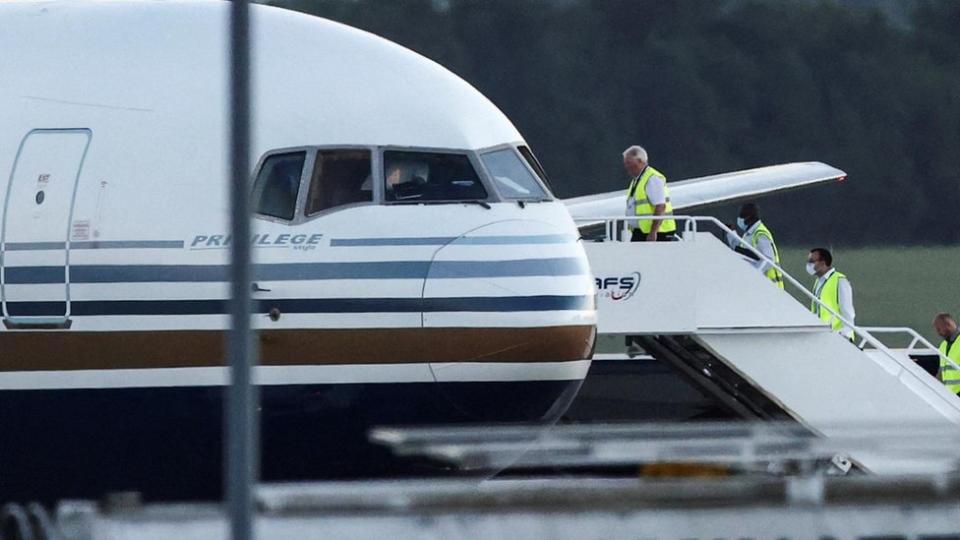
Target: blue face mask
(741, 224)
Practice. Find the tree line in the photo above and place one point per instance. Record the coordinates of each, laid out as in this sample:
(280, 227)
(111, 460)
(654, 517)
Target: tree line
(714, 86)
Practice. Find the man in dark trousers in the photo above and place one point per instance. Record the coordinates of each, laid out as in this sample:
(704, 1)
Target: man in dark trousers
(946, 327)
(647, 195)
(756, 234)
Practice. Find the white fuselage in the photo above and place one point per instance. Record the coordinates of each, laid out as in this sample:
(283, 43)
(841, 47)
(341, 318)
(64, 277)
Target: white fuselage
(114, 201)
(122, 127)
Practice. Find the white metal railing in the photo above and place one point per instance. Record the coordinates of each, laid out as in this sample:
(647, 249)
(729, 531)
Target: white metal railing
(691, 226)
(912, 348)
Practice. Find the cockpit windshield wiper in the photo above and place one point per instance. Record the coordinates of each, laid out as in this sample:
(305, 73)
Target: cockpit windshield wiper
(466, 201)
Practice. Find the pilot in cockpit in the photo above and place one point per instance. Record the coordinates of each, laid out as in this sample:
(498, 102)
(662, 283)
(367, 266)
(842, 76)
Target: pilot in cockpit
(405, 180)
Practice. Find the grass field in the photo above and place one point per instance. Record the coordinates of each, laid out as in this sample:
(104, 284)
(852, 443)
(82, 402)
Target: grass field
(893, 286)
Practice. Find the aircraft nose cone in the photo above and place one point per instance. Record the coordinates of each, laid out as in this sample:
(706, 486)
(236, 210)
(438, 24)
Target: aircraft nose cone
(519, 297)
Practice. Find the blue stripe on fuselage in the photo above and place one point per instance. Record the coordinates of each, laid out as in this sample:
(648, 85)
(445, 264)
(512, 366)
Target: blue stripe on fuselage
(95, 244)
(299, 271)
(456, 240)
(83, 308)
(336, 242)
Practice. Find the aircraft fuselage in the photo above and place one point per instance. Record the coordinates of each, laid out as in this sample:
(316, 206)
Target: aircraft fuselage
(411, 265)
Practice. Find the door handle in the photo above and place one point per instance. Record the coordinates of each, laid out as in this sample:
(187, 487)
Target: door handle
(255, 287)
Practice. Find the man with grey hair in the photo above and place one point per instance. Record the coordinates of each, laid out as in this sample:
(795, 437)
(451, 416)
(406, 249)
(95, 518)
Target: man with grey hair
(647, 195)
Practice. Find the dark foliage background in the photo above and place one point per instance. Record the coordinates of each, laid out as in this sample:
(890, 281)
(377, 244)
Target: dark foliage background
(870, 86)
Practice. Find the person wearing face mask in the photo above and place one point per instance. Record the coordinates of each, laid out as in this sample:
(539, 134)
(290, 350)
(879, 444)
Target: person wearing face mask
(833, 289)
(647, 195)
(758, 236)
(946, 327)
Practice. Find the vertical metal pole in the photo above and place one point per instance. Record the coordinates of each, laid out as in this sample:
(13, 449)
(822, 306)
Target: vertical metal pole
(241, 403)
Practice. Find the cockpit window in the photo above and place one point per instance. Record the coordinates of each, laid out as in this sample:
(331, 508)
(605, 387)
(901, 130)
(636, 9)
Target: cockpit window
(277, 185)
(514, 180)
(534, 164)
(339, 177)
(429, 176)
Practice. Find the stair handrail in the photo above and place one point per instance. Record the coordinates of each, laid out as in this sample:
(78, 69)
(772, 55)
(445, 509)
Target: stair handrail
(690, 225)
(917, 337)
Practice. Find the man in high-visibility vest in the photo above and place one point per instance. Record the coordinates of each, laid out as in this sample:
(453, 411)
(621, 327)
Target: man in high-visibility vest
(834, 291)
(946, 327)
(758, 236)
(647, 195)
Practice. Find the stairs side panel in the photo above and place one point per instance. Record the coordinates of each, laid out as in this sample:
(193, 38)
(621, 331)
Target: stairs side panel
(678, 287)
(731, 293)
(827, 382)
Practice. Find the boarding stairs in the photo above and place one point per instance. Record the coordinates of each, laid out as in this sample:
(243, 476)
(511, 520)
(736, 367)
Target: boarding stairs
(703, 310)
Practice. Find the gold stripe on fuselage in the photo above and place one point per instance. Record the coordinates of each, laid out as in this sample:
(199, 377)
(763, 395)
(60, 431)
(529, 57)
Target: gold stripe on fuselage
(69, 350)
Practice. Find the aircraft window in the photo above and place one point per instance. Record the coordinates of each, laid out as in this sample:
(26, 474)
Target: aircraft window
(428, 176)
(339, 177)
(535, 165)
(512, 177)
(277, 185)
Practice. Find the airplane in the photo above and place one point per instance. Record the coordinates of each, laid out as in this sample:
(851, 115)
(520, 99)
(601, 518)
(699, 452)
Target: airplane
(412, 265)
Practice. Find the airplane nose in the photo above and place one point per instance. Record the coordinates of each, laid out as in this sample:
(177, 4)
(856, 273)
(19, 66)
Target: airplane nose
(518, 295)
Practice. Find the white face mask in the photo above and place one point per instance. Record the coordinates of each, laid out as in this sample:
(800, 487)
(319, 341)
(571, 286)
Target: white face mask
(741, 224)
(810, 269)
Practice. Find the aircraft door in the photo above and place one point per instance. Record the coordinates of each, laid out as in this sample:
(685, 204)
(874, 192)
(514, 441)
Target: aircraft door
(38, 207)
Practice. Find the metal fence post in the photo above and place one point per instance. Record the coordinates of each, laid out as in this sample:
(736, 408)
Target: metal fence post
(240, 412)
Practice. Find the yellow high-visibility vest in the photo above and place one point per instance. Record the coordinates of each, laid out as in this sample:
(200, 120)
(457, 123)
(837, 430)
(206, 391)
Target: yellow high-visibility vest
(773, 274)
(949, 374)
(829, 295)
(637, 197)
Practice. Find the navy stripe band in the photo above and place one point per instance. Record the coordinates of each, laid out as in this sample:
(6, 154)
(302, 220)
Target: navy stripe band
(21, 275)
(456, 240)
(95, 244)
(33, 246)
(423, 241)
(128, 244)
(318, 305)
(336, 242)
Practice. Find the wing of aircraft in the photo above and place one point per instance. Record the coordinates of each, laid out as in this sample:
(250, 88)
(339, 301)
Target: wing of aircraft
(716, 189)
